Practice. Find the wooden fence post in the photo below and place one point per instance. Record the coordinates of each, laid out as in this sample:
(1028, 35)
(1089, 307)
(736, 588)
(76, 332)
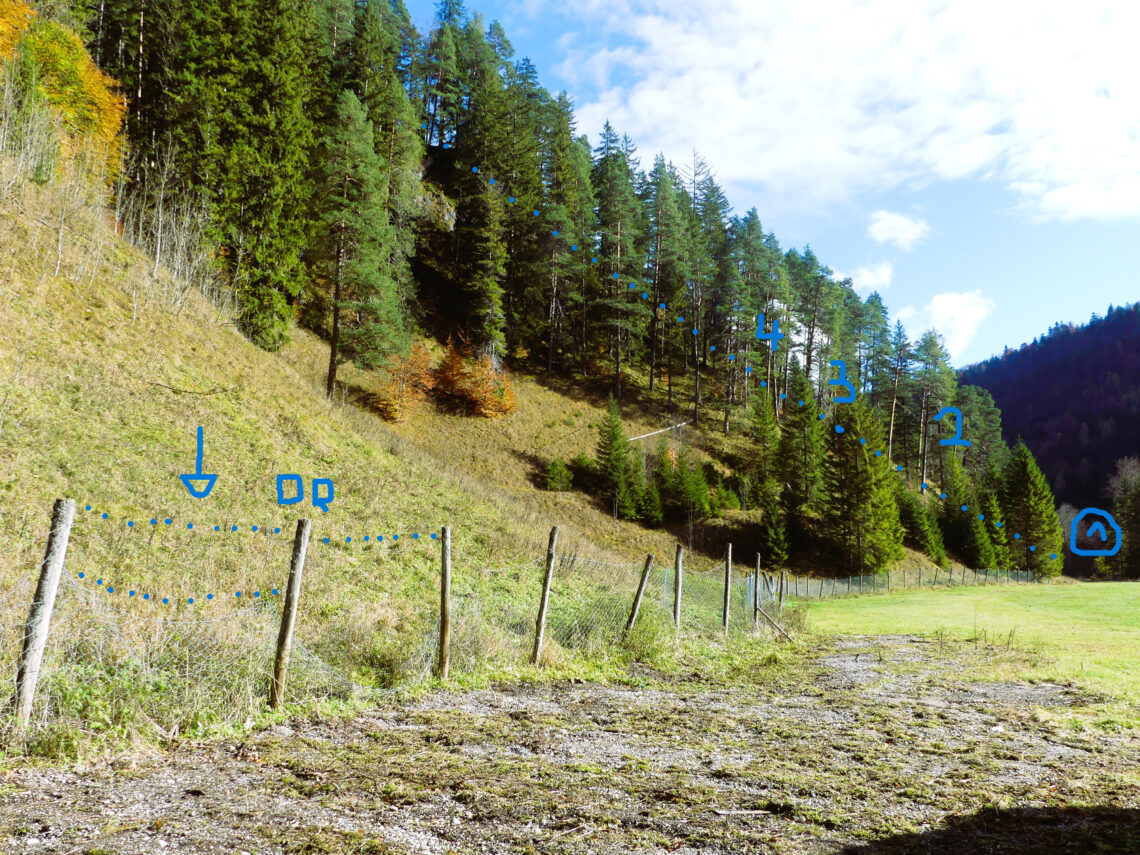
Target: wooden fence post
(444, 604)
(289, 614)
(756, 596)
(727, 584)
(640, 591)
(783, 586)
(540, 623)
(677, 589)
(39, 615)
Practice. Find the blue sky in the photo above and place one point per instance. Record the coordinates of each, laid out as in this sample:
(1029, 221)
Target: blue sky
(976, 163)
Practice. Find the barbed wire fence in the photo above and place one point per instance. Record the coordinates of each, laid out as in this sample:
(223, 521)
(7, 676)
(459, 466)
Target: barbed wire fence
(132, 649)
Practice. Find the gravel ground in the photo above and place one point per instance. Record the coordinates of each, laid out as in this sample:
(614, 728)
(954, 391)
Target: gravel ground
(870, 745)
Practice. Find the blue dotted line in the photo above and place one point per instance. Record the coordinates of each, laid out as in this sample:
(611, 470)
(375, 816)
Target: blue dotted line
(392, 538)
(110, 589)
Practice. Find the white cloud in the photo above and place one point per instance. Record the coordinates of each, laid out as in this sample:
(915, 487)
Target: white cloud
(813, 102)
(870, 278)
(899, 229)
(955, 314)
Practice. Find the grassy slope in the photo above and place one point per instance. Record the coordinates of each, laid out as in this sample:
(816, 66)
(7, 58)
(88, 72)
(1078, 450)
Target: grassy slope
(1086, 632)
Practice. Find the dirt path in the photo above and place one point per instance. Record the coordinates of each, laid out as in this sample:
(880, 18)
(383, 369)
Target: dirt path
(866, 745)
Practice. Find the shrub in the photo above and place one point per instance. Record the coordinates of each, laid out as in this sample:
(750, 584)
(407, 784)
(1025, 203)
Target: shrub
(410, 381)
(558, 475)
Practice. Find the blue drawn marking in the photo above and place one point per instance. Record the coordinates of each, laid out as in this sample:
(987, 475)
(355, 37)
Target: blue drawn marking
(839, 428)
(511, 200)
(843, 381)
(168, 521)
(154, 522)
(146, 596)
(554, 233)
(88, 507)
(198, 476)
(898, 468)
(1017, 537)
(217, 528)
(1097, 526)
(981, 517)
(878, 454)
(104, 516)
(281, 479)
(573, 247)
(276, 530)
(253, 528)
(862, 440)
(233, 528)
(209, 596)
(130, 523)
(165, 601)
(474, 168)
(774, 336)
(320, 501)
(965, 508)
(958, 425)
(189, 525)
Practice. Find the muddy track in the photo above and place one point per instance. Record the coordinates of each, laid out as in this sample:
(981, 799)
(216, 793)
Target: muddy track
(876, 745)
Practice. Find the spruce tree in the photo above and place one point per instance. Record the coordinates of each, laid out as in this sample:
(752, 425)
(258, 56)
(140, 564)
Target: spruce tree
(614, 466)
(964, 531)
(920, 523)
(859, 493)
(1030, 511)
(1124, 487)
(367, 324)
(800, 455)
(773, 531)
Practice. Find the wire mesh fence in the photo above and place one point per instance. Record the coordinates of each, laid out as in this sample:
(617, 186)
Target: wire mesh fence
(806, 587)
(133, 647)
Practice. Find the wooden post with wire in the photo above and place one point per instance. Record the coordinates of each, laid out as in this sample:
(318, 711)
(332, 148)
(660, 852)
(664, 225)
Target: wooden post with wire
(640, 593)
(677, 588)
(727, 586)
(39, 615)
(540, 623)
(756, 595)
(444, 604)
(289, 614)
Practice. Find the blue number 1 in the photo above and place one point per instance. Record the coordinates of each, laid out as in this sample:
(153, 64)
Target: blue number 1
(959, 423)
(774, 336)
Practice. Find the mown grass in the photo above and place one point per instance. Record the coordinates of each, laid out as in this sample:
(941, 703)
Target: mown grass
(1087, 633)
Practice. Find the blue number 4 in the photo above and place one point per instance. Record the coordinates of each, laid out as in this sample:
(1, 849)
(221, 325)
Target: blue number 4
(774, 336)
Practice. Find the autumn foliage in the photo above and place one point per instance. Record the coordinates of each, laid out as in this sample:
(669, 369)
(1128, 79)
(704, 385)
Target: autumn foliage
(478, 382)
(53, 66)
(410, 382)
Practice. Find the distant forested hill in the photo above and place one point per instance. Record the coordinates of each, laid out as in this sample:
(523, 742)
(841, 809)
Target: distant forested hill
(1074, 396)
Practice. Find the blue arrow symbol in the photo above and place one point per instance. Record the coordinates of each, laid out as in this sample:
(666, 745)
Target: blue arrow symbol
(1098, 526)
(207, 480)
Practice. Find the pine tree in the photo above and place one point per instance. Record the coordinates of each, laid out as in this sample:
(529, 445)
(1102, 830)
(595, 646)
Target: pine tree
(375, 71)
(366, 318)
(1030, 511)
(859, 493)
(619, 228)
